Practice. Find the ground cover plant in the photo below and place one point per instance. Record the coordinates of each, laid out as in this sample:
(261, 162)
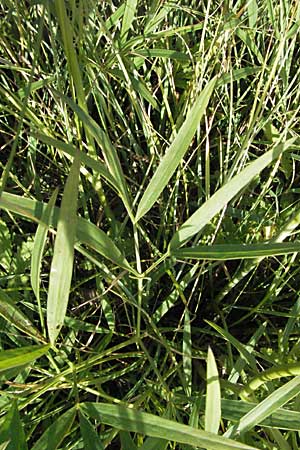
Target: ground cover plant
(149, 269)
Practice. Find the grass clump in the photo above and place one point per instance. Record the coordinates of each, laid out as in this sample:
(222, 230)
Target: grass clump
(149, 219)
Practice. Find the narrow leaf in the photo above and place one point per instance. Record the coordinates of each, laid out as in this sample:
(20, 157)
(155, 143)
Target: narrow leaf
(128, 18)
(12, 430)
(216, 202)
(86, 232)
(187, 353)
(54, 435)
(62, 262)
(213, 395)
(175, 152)
(21, 356)
(236, 251)
(265, 408)
(10, 312)
(39, 245)
(129, 419)
(91, 439)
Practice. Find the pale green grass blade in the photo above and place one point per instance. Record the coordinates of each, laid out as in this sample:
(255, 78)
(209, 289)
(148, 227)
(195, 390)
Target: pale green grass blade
(12, 430)
(213, 395)
(226, 252)
(86, 232)
(187, 353)
(21, 356)
(148, 424)
(91, 439)
(39, 245)
(10, 312)
(128, 18)
(175, 152)
(252, 13)
(219, 200)
(265, 408)
(52, 438)
(63, 255)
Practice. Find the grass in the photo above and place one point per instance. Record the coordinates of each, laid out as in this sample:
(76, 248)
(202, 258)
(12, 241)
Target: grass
(149, 293)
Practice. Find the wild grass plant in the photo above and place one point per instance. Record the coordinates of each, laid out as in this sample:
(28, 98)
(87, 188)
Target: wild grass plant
(149, 293)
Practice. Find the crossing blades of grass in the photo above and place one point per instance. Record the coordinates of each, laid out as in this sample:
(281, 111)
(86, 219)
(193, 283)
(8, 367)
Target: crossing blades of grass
(63, 256)
(265, 408)
(90, 437)
(175, 152)
(86, 232)
(11, 313)
(129, 419)
(12, 430)
(213, 395)
(55, 434)
(21, 356)
(219, 200)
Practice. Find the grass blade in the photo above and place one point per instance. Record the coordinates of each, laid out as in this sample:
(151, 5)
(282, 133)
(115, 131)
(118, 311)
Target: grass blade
(38, 250)
(12, 430)
(187, 353)
(10, 312)
(219, 200)
(213, 395)
(265, 408)
(129, 419)
(225, 252)
(54, 435)
(21, 356)
(62, 262)
(175, 152)
(128, 18)
(91, 439)
(86, 232)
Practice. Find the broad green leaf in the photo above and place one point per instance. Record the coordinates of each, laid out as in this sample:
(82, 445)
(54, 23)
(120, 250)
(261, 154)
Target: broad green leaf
(52, 438)
(265, 408)
(187, 353)
(21, 356)
(175, 152)
(213, 395)
(91, 439)
(128, 18)
(11, 430)
(220, 199)
(86, 232)
(10, 312)
(63, 255)
(236, 251)
(129, 419)
(39, 245)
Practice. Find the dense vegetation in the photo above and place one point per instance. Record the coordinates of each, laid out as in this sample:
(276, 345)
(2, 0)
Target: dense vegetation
(149, 269)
